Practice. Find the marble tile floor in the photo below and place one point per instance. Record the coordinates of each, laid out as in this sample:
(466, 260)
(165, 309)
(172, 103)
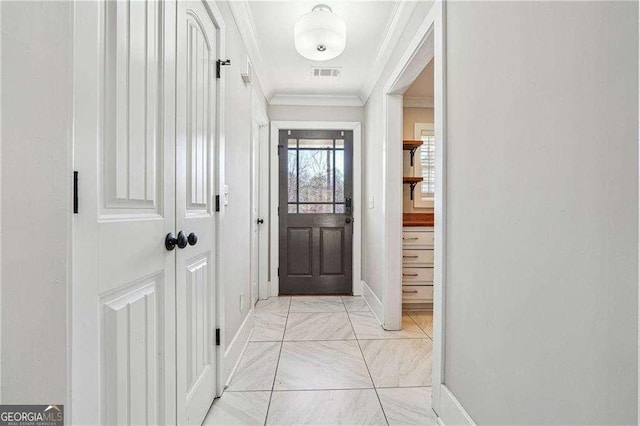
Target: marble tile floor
(325, 360)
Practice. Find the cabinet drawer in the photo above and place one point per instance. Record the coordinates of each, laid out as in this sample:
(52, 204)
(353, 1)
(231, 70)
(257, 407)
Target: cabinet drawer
(417, 238)
(417, 257)
(417, 293)
(421, 276)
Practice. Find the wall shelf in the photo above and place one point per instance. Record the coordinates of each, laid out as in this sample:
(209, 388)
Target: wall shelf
(411, 146)
(412, 181)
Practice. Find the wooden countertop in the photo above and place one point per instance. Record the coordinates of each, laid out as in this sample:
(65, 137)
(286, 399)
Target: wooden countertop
(417, 219)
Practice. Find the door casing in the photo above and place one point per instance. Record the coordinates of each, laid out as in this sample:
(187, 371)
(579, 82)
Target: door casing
(274, 192)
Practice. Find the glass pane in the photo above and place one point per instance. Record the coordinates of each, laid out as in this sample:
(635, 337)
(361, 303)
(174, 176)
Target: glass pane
(339, 176)
(316, 176)
(293, 208)
(339, 143)
(293, 143)
(316, 208)
(339, 208)
(292, 182)
(316, 143)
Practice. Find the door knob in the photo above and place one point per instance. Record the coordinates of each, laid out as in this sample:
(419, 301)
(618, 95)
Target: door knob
(171, 241)
(192, 239)
(347, 220)
(261, 221)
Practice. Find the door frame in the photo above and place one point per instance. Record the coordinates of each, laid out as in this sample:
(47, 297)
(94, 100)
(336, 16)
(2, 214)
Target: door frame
(259, 117)
(427, 43)
(274, 228)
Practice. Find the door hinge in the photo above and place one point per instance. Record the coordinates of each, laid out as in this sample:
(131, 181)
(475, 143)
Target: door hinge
(278, 210)
(75, 192)
(279, 147)
(217, 337)
(278, 271)
(220, 63)
(217, 203)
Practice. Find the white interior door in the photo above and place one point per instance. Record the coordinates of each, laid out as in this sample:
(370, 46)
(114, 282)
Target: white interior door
(195, 182)
(123, 306)
(255, 212)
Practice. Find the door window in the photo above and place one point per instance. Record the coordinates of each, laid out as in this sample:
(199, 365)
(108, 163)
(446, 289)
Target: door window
(315, 176)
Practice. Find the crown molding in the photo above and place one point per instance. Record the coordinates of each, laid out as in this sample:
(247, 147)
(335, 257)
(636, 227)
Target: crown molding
(316, 100)
(417, 102)
(395, 26)
(242, 15)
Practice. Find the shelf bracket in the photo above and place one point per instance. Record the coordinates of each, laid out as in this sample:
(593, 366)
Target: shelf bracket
(412, 152)
(412, 186)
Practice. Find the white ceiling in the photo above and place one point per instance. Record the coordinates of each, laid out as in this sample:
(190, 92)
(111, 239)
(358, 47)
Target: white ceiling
(284, 72)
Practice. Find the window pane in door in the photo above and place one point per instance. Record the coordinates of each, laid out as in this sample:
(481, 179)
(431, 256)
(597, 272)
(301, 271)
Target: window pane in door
(293, 208)
(339, 208)
(339, 163)
(292, 184)
(316, 143)
(315, 176)
(315, 208)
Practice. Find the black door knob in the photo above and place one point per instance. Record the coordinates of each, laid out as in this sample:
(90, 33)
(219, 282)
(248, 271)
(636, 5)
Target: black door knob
(182, 240)
(261, 221)
(347, 220)
(171, 241)
(192, 239)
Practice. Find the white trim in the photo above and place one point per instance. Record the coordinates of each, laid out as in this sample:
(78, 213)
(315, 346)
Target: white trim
(243, 17)
(451, 412)
(398, 20)
(235, 350)
(418, 102)
(375, 305)
(357, 193)
(315, 100)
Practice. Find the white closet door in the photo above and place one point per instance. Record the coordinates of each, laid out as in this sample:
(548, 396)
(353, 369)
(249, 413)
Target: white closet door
(196, 146)
(123, 289)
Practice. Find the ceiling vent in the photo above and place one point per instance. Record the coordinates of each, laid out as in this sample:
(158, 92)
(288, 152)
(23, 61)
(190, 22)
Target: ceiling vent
(326, 72)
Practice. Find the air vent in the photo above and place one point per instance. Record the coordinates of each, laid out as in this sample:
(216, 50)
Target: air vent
(326, 72)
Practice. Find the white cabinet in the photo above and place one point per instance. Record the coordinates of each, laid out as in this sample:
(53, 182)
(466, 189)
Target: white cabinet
(417, 265)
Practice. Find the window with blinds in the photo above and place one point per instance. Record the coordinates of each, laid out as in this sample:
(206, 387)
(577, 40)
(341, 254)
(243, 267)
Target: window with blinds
(427, 165)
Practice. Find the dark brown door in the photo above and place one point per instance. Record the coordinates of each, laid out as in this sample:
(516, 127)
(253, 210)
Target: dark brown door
(316, 208)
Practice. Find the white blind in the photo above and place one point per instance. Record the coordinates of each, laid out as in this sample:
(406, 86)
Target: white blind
(427, 164)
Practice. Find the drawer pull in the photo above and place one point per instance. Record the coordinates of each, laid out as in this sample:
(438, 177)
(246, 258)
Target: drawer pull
(409, 275)
(411, 239)
(409, 291)
(409, 257)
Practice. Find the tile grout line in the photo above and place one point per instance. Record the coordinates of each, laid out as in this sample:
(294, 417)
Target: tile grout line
(365, 364)
(416, 323)
(275, 374)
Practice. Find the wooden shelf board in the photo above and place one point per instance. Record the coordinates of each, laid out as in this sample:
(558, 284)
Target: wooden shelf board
(412, 179)
(409, 145)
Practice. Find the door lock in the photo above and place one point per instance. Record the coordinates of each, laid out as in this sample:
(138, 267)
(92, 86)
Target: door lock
(260, 221)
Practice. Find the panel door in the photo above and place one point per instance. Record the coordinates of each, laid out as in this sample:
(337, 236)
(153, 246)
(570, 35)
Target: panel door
(195, 167)
(123, 297)
(256, 221)
(316, 222)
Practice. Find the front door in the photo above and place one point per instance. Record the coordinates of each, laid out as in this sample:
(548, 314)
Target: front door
(316, 211)
(196, 129)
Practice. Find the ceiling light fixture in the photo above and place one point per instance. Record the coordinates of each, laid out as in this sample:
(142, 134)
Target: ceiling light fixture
(321, 34)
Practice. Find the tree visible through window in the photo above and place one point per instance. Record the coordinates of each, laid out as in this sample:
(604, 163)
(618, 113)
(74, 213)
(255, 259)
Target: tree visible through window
(316, 176)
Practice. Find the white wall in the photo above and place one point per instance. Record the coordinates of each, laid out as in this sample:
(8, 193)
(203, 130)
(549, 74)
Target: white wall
(315, 113)
(235, 218)
(36, 199)
(542, 224)
(372, 181)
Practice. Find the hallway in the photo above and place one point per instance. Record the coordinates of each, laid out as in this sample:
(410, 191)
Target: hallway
(325, 360)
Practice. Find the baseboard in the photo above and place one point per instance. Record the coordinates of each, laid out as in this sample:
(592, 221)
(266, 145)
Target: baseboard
(236, 348)
(374, 303)
(451, 412)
